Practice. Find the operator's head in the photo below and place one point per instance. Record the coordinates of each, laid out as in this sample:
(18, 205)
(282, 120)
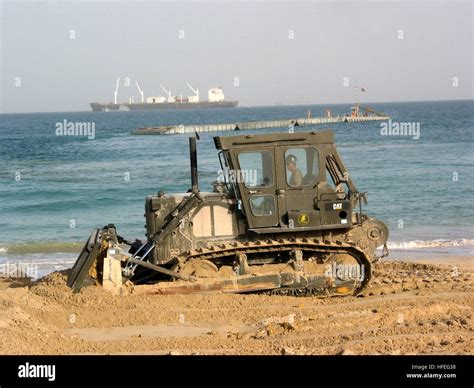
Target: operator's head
(291, 162)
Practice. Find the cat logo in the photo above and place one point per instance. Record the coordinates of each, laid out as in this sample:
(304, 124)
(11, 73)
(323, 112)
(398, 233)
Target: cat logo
(337, 206)
(303, 219)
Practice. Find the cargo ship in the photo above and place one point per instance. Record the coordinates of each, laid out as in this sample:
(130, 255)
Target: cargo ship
(216, 99)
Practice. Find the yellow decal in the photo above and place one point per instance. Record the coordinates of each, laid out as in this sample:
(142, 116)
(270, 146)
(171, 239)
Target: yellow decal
(303, 219)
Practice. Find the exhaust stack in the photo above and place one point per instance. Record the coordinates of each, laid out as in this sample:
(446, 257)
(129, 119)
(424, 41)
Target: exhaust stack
(194, 170)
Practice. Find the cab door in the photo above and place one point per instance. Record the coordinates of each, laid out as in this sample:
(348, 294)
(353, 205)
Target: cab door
(256, 179)
(299, 167)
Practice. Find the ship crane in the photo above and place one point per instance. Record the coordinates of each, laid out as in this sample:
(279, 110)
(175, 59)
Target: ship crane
(194, 98)
(168, 92)
(141, 91)
(116, 90)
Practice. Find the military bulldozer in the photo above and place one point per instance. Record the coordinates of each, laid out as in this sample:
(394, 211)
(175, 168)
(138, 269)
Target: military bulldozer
(284, 217)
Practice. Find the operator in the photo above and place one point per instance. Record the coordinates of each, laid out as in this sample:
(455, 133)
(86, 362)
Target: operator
(296, 178)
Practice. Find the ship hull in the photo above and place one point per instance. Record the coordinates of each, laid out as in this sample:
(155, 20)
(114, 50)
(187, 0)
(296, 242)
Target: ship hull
(97, 107)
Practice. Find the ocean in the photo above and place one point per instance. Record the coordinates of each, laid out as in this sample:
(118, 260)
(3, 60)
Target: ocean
(55, 189)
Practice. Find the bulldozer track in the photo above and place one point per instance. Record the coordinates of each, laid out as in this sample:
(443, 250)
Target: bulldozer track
(323, 249)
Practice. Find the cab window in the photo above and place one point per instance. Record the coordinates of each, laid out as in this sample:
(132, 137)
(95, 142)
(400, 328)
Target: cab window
(256, 169)
(262, 205)
(302, 166)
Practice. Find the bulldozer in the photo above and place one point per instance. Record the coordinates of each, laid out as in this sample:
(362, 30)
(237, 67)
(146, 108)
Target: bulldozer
(284, 217)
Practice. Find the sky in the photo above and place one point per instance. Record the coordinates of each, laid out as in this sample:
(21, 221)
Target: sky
(60, 56)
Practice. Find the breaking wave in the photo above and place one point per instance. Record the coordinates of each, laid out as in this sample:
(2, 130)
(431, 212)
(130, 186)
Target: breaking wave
(439, 243)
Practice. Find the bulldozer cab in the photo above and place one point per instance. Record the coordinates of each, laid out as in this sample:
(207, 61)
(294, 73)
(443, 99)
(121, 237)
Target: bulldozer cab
(288, 181)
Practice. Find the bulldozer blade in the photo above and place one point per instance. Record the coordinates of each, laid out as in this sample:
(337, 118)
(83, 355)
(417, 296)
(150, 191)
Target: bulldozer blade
(84, 262)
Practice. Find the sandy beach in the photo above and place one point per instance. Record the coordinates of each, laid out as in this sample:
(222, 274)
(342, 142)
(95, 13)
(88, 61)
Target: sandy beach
(421, 307)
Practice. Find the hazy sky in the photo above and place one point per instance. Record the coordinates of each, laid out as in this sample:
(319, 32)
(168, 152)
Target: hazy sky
(281, 52)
